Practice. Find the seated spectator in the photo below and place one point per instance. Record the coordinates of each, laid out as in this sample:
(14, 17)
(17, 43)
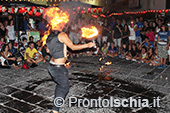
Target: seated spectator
(2, 42)
(38, 56)
(124, 51)
(112, 51)
(30, 54)
(132, 54)
(150, 55)
(147, 44)
(7, 59)
(143, 55)
(138, 48)
(104, 49)
(31, 39)
(156, 60)
(11, 48)
(24, 43)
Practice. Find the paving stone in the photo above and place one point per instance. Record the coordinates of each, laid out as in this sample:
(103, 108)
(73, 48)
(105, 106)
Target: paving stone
(21, 106)
(7, 110)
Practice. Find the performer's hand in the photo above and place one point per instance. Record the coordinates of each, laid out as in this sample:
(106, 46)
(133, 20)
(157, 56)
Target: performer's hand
(90, 44)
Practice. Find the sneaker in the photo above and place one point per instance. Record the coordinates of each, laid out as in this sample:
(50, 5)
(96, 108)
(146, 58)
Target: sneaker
(163, 67)
(159, 67)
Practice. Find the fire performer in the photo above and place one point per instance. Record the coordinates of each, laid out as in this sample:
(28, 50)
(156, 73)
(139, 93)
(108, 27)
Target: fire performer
(56, 43)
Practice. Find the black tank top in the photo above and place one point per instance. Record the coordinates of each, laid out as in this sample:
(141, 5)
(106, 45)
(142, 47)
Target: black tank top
(55, 46)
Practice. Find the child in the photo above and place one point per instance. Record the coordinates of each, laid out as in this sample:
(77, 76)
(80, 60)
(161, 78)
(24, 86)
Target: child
(124, 51)
(156, 60)
(142, 57)
(150, 55)
(112, 51)
(104, 49)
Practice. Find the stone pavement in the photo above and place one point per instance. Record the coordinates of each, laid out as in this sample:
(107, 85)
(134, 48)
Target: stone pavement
(31, 91)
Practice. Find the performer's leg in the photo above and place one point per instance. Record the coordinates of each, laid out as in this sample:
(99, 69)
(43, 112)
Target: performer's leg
(60, 76)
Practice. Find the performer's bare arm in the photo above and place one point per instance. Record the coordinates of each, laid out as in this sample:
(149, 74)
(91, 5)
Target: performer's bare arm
(63, 37)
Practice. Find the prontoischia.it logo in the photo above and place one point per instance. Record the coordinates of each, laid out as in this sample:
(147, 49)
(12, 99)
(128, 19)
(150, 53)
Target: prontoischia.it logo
(105, 103)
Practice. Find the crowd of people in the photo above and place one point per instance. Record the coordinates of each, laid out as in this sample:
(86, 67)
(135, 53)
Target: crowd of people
(136, 39)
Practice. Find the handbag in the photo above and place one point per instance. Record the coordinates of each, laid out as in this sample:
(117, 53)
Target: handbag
(25, 65)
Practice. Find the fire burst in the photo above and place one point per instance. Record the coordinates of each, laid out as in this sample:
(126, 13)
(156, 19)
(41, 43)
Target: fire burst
(57, 20)
(89, 32)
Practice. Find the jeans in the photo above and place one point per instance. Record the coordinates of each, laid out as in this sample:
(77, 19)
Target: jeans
(60, 77)
(138, 39)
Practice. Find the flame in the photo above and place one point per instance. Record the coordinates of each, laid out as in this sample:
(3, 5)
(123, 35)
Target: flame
(101, 68)
(67, 64)
(100, 59)
(46, 33)
(89, 32)
(108, 63)
(56, 18)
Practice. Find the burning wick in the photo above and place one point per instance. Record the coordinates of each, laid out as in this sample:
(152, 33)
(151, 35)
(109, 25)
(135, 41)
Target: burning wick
(67, 64)
(101, 68)
(100, 59)
(108, 63)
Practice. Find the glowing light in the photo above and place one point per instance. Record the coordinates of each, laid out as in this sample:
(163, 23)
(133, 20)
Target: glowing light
(67, 64)
(101, 68)
(89, 32)
(108, 63)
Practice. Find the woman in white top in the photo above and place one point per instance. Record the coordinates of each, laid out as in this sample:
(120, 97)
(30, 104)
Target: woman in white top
(11, 32)
(132, 36)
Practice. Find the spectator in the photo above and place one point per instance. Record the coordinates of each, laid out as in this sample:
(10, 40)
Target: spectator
(2, 42)
(117, 34)
(104, 49)
(73, 33)
(147, 43)
(42, 27)
(105, 31)
(156, 60)
(30, 54)
(132, 54)
(11, 32)
(150, 35)
(113, 22)
(142, 57)
(143, 31)
(11, 49)
(126, 33)
(150, 55)
(139, 27)
(157, 29)
(38, 56)
(132, 36)
(2, 30)
(9, 60)
(124, 51)
(112, 51)
(163, 45)
(27, 26)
